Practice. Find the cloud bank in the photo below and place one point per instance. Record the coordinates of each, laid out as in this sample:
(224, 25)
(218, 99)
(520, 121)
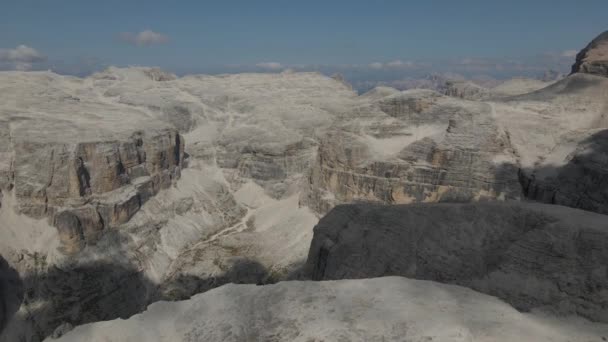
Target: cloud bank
(270, 65)
(569, 53)
(144, 38)
(20, 58)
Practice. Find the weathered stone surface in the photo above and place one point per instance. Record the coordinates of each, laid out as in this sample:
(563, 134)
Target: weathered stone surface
(466, 90)
(176, 231)
(593, 59)
(383, 309)
(530, 255)
(431, 148)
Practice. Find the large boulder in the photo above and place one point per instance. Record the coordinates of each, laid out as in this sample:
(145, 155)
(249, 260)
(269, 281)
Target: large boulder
(530, 255)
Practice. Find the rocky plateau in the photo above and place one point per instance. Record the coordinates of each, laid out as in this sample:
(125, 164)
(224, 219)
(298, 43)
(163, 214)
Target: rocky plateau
(133, 187)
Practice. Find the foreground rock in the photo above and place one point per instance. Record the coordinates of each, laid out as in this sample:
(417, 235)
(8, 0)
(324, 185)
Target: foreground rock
(530, 255)
(593, 59)
(383, 309)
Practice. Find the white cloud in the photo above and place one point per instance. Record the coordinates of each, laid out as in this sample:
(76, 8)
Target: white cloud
(270, 65)
(400, 64)
(144, 38)
(395, 64)
(392, 64)
(376, 65)
(569, 53)
(21, 58)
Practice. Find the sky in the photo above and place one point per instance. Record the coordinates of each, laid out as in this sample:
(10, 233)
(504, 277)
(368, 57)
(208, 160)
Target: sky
(356, 37)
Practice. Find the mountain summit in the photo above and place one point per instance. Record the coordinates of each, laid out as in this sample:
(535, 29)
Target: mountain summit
(593, 59)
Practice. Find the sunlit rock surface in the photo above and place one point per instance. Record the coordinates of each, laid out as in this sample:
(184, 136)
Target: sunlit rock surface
(382, 309)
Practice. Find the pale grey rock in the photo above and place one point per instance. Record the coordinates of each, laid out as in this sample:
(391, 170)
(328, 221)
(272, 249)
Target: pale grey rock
(466, 90)
(383, 309)
(530, 255)
(260, 151)
(120, 195)
(415, 146)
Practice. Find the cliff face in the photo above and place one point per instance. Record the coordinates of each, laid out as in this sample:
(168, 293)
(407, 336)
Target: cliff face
(529, 255)
(83, 173)
(593, 59)
(416, 146)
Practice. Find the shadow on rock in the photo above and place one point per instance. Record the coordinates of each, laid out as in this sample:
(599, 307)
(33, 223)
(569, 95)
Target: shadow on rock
(11, 292)
(582, 183)
(239, 271)
(55, 299)
(61, 298)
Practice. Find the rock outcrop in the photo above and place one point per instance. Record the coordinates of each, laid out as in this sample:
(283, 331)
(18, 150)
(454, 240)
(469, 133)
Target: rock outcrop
(383, 309)
(593, 59)
(86, 187)
(466, 90)
(415, 146)
(530, 255)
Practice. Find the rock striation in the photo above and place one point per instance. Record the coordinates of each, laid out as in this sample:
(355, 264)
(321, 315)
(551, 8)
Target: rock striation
(104, 204)
(466, 90)
(82, 178)
(415, 146)
(530, 255)
(593, 59)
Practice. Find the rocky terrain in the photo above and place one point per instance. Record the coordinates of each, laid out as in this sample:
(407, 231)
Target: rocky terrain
(133, 185)
(382, 309)
(471, 91)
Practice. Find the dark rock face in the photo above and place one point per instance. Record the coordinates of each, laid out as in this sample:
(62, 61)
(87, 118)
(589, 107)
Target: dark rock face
(593, 59)
(11, 292)
(530, 255)
(581, 183)
(77, 295)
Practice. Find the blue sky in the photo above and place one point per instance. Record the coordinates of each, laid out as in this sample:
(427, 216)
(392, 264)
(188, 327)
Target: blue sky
(208, 36)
